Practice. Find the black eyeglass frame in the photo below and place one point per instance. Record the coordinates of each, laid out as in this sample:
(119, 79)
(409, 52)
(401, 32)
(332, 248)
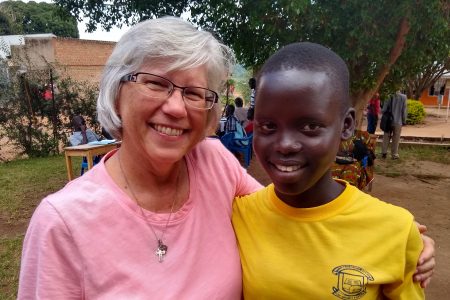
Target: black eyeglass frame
(133, 78)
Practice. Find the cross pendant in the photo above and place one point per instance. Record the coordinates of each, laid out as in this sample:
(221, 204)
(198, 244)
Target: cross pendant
(161, 251)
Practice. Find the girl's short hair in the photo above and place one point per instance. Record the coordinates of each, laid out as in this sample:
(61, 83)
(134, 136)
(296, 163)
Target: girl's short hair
(173, 40)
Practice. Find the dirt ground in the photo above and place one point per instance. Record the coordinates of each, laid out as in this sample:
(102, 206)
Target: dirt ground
(426, 194)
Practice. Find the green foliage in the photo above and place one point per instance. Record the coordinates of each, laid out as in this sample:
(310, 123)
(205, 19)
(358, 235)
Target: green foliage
(39, 127)
(362, 32)
(241, 77)
(5, 24)
(111, 13)
(427, 48)
(416, 112)
(239, 80)
(17, 17)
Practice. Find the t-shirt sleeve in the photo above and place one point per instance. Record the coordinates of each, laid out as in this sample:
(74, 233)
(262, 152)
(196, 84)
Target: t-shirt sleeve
(237, 176)
(406, 288)
(51, 265)
(245, 183)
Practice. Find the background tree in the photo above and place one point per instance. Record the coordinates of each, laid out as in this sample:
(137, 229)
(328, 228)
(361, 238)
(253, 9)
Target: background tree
(117, 12)
(32, 17)
(26, 117)
(370, 35)
(5, 24)
(427, 55)
(416, 84)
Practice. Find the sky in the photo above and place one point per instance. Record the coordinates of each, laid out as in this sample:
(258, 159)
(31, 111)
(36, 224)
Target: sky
(113, 35)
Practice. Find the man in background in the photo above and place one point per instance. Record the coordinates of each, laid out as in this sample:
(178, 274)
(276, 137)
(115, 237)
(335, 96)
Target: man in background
(397, 104)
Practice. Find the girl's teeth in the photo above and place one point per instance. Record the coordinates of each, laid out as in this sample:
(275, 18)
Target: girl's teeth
(287, 168)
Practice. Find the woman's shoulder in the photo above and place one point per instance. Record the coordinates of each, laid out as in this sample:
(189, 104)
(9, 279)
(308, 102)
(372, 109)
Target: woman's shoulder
(216, 164)
(209, 146)
(89, 190)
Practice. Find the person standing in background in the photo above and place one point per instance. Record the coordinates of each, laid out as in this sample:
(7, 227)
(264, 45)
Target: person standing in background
(240, 112)
(373, 110)
(398, 106)
(252, 85)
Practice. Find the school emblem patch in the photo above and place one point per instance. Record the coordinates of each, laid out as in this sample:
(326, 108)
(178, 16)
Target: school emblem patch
(351, 283)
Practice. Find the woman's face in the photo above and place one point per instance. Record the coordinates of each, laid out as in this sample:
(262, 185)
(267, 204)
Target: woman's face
(163, 130)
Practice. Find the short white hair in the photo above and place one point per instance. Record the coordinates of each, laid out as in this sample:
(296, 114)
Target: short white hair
(170, 39)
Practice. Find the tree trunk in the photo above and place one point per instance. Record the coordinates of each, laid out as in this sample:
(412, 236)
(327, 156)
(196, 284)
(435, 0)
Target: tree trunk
(362, 97)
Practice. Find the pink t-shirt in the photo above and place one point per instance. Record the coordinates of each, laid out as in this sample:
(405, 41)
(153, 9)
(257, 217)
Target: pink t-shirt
(90, 241)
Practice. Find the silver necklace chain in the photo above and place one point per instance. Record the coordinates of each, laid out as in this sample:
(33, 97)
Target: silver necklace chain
(161, 249)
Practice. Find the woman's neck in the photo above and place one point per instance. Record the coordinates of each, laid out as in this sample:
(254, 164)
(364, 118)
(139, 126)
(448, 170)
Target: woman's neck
(154, 188)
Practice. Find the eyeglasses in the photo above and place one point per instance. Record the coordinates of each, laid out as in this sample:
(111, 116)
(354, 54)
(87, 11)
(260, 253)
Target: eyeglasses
(160, 88)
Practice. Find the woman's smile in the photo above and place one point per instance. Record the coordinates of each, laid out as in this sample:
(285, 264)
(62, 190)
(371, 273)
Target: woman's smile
(167, 130)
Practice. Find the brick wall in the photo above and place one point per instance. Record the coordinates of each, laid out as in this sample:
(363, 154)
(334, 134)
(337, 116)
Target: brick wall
(428, 100)
(432, 100)
(82, 60)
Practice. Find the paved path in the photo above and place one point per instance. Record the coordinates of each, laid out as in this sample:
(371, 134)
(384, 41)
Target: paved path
(436, 126)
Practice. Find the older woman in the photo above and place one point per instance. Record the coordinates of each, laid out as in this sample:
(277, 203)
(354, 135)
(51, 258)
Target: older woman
(151, 220)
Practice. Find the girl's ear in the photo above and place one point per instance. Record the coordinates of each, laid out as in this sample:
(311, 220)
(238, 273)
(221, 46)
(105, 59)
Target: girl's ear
(348, 127)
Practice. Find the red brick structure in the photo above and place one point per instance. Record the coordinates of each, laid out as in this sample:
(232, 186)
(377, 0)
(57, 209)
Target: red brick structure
(432, 100)
(82, 60)
(429, 97)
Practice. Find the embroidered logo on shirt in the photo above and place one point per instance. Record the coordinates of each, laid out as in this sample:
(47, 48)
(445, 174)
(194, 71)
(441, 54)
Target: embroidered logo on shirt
(351, 283)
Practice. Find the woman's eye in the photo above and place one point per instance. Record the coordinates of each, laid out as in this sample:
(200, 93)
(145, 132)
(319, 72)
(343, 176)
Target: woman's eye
(155, 84)
(194, 94)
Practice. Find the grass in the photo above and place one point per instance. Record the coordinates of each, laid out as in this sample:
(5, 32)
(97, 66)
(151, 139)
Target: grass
(23, 183)
(412, 155)
(426, 153)
(10, 250)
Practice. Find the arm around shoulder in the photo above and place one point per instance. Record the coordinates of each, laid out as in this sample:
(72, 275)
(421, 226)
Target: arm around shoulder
(50, 265)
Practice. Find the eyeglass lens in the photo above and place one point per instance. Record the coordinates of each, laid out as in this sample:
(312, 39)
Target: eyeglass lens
(161, 88)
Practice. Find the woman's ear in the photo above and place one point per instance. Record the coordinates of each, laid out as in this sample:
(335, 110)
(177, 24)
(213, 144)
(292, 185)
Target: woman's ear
(117, 102)
(348, 126)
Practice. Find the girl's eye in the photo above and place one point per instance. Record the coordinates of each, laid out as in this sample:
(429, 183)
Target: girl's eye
(267, 127)
(311, 127)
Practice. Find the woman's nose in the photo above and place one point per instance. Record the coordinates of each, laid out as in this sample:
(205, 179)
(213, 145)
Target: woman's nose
(175, 104)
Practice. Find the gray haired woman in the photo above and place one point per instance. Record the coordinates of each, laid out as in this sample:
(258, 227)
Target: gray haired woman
(151, 220)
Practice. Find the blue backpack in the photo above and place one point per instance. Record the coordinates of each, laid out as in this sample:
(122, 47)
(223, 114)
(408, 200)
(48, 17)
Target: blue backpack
(240, 134)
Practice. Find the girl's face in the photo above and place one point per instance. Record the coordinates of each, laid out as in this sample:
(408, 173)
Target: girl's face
(298, 127)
